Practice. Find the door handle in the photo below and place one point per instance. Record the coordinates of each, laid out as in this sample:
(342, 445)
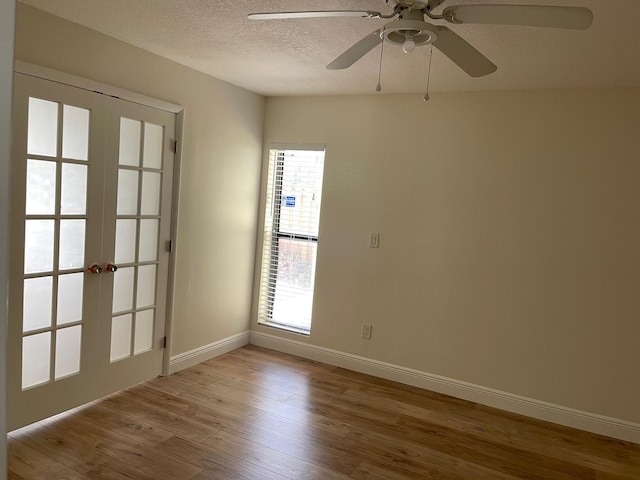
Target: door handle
(111, 267)
(95, 268)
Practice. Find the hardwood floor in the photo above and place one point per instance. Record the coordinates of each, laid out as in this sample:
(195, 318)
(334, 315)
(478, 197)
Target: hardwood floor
(258, 414)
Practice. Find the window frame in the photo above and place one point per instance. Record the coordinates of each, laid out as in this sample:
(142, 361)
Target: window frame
(273, 235)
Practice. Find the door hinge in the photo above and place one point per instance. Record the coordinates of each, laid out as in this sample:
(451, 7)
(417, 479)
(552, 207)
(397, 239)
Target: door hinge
(164, 342)
(169, 246)
(174, 146)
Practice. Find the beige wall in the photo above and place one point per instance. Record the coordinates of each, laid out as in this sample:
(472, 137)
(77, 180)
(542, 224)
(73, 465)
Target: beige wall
(220, 167)
(509, 237)
(7, 15)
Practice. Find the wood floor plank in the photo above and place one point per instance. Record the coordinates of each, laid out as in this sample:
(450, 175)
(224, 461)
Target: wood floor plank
(120, 471)
(126, 454)
(268, 458)
(372, 471)
(236, 378)
(563, 443)
(216, 393)
(206, 392)
(205, 417)
(125, 425)
(314, 424)
(346, 410)
(30, 464)
(282, 367)
(213, 405)
(217, 397)
(137, 407)
(214, 463)
(455, 452)
(322, 449)
(60, 447)
(257, 414)
(285, 375)
(450, 437)
(14, 476)
(406, 457)
(211, 394)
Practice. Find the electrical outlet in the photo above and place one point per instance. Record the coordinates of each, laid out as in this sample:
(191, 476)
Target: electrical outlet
(374, 240)
(366, 330)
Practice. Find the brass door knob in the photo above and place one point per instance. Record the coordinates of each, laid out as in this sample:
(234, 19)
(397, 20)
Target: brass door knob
(95, 268)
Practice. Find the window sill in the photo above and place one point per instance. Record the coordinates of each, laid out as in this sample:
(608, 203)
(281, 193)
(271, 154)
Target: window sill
(287, 328)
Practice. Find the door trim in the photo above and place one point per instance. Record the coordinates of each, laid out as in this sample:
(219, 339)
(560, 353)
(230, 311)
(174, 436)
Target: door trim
(93, 86)
(71, 80)
(7, 35)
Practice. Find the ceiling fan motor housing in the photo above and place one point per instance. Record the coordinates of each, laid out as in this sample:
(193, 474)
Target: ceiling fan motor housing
(410, 25)
(418, 4)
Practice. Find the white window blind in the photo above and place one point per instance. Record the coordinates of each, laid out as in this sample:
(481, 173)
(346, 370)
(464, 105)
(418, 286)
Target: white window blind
(292, 217)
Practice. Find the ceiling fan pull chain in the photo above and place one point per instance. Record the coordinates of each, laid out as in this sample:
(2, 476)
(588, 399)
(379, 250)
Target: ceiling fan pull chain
(379, 87)
(426, 94)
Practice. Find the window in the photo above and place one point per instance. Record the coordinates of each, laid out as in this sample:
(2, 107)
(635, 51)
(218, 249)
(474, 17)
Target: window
(292, 217)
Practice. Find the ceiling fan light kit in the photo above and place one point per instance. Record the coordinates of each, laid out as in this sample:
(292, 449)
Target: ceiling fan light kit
(410, 30)
(402, 32)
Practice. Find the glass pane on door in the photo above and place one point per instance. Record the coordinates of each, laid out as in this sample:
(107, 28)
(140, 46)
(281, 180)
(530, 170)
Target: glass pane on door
(38, 245)
(129, 142)
(127, 192)
(36, 359)
(153, 140)
(75, 133)
(146, 295)
(121, 337)
(74, 189)
(126, 231)
(123, 289)
(43, 127)
(71, 250)
(151, 182)
(144, 331)
(36, 313)
(41, 187)
(149, 240)
(68, 346)
(70, 296)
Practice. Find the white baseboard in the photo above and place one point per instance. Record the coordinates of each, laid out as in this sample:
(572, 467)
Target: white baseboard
(558, 414)
(207, 352)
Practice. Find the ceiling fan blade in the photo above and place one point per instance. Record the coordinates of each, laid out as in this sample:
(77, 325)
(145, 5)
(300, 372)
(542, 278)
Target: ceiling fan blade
(356, 51)
(314, 14)
(577, 18)
(463, 54)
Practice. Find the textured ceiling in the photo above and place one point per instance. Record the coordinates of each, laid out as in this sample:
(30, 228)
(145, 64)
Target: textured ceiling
(288, 57)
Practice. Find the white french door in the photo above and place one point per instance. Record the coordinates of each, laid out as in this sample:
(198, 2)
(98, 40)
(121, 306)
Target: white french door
(91, 205)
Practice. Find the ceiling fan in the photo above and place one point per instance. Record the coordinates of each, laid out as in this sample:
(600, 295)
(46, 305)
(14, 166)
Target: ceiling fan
(409, 28)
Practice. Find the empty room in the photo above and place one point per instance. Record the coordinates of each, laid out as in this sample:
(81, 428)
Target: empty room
(374, 239)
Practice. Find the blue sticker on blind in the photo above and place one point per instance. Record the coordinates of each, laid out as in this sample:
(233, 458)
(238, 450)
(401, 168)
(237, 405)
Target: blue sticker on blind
(290, 201)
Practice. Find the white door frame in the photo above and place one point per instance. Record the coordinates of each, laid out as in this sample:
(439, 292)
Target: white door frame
(7, 29)
(109, 90)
